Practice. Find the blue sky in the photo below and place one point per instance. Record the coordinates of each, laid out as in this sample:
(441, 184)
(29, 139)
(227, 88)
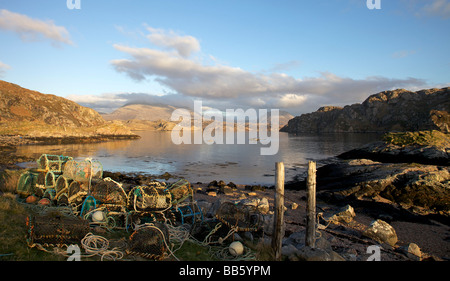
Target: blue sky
(292, 55)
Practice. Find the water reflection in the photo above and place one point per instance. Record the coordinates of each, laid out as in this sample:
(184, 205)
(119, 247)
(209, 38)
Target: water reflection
(155, 154)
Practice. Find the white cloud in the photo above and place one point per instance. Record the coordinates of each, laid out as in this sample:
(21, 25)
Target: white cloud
(440, 8)
(184, 45)
(291, 100)
(222, 86)
(3, 68)
(30, 29)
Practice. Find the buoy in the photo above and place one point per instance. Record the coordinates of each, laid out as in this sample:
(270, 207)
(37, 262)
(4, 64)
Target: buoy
(44, 202)
(31, 199)
(98, 216)
(236, 248)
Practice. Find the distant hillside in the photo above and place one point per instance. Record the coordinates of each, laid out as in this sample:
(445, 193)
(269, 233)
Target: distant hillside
(397, 110)
(157, 117)
(30, 113)
(20, 104)
(141, 112)
(284, 117)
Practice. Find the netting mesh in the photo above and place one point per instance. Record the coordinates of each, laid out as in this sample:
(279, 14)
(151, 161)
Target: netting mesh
(62, 183)
(180, 190)
(56, 229)
(149, 198)
(243, 217)
(26, 184)
(83, 171)
(77, 191)
(40, 180)
(149, 241)
(110, 192)
(50, 179)
(54, 163)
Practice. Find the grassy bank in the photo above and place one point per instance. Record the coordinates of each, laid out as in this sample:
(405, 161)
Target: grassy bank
(421, 138)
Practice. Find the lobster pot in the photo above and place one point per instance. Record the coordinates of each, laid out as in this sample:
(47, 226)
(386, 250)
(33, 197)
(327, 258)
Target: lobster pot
(109, 192)
(56, 230)
(54, 163)
(40, 180)
(26, 184)
(50, 179)
(62, 183)
(149, 241)
(62, 199)
(244, 217)
(77, 191)
(181, 190)
(49, 193)
(149, 198)
(83, 171)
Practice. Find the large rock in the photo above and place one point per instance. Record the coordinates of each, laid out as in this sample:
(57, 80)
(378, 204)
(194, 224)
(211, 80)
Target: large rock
(426, 147)
(408, 185)
(412, 251)
(382, 232)
(397, 110)
(344, 214)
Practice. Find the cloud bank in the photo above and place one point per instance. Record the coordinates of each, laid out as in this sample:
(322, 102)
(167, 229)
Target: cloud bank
(30, 29)
(175, 61)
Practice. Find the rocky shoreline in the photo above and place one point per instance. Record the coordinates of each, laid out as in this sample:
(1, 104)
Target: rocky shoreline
(410, 201)
(16, 140)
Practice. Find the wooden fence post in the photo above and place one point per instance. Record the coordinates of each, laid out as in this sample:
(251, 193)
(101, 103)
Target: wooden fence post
(310, 238)
(278, 234)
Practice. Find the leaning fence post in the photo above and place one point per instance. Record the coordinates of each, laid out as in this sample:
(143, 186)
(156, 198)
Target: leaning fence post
(310, 238)
(278, 234)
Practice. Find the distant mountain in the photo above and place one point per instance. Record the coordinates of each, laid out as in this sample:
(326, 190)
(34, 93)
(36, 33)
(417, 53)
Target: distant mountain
(141, 112)
(31, 113)
(397, 110)
(159, 116)
(284, 117)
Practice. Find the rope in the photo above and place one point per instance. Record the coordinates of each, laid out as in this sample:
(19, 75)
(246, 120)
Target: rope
(98, 245)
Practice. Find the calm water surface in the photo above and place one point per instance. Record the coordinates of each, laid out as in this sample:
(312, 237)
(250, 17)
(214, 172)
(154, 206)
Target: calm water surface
(155, 154)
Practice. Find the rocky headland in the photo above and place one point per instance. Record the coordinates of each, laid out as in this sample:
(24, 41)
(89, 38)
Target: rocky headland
(28, 116)
(389, 111)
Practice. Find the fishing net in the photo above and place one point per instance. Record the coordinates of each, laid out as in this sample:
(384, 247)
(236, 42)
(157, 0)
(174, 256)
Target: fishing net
(55, 229)
(26, 184)
(54, 163)
(242, 217)
(149, 241)
(149, 198)
(83, 171)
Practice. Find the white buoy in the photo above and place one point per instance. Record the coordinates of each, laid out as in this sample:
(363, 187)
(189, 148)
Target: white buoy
(98, 216)
(236, 248)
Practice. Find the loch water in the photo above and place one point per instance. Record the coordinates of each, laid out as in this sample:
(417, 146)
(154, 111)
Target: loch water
(155, 154)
